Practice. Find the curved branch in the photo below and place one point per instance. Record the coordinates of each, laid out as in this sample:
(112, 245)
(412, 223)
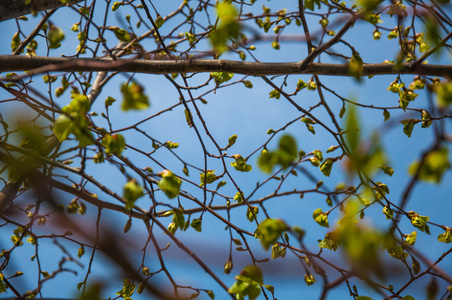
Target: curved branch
(39, 64)
(12, 9)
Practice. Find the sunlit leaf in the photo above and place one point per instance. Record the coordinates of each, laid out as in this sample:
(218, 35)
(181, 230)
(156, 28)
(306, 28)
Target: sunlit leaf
(169, 184)
(270, 230)
(208, 177)
(133, 97)
(446, 237)
(114, 144)
(55, 35)
(132, 191)
(420, 222)
(227, 27)
(240, 164)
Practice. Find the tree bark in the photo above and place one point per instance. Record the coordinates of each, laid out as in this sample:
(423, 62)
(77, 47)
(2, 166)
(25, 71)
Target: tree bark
(39, 64)
(15, 8)
(8, 193)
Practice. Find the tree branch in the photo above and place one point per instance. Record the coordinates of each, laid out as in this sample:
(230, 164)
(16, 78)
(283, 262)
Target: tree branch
(12, 9)
(39, 64)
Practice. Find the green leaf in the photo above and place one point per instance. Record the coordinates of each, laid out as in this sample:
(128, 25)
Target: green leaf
(418, 221)
(363, 298)
(227, 27)
(241, 289)
(114, 144)
(128, 225)
(63, 127)
(115, 6)
(446, 237)
(352, 125)
(251, 213)
(232, 140)
(238, 198)
(417, 84)
(178, 220)
(388, 212)
(80, 252)
(426, 116)
(386, 114)
(140, 288)
(328, 243)
(196, 224)
(185, 170)
(208, 177)
(435, 164)
(275, 94)
(254, 273)
(248, 84)
(55, 35)
(171, 145)
(432, 289)
(221, 184)
(127, 290)
(15, 42)
(121, 34)
(188, 117)
(320, 217)
(228, 267)
(159, 21)
(210, 294)
(169, 184)
(410, 239)
(287, 150)
(133, 97)
(318, 154)
(132, 191)
(387, 170)
(172, 228)
(240, 164)
(326, 166)
(79, 104)
(396, 251)
(248, 283)
(444, 94)
(221, 77)
(309, 279)
(331, 149)
(2, 284)
(374, 19)
(310, 128)
(74, 121)
(109, 101)
(270, 230)
(307, 120)
(355, 66)
(301, 85)
(408, 297)
(276, 251)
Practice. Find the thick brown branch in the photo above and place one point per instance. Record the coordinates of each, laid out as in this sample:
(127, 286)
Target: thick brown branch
(12, 9)
(39, 65)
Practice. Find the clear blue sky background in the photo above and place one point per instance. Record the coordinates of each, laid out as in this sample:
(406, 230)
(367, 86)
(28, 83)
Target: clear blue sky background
(247, 113)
